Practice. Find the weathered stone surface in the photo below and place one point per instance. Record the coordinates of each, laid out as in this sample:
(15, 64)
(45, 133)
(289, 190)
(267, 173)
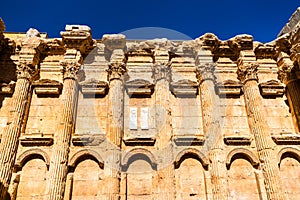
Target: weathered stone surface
(157, 119)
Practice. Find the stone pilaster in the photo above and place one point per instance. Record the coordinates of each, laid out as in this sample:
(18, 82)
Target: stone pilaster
(211, 128)
(78, 41)
(247, 73)
(115, 128)
(27, 71)
(13, 188)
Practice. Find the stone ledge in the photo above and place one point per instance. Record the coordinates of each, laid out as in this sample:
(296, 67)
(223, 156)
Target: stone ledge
(184, 88)
(87, 140)
(229, 88)
(139, 87)
(36, 139)
(238, 140)
(286, 139)
(139, 141)
(188, 140)
(47, 87)
(271, 88)
(93, 87)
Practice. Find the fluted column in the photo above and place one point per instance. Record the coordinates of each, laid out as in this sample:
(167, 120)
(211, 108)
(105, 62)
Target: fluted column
(59, 160)
(10, 136)
(247, 73)
(162, 76)
(286, 74)
(211, 128)
(115, 130)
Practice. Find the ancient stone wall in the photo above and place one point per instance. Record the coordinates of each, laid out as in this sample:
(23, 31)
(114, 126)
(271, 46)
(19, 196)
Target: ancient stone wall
(156, 119)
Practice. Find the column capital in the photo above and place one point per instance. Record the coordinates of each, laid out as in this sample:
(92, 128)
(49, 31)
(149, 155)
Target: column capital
(285, 73)
(205, 72)
(161, 70)
(27, 70)
(70, 69)
(247, 71)
(116, 70)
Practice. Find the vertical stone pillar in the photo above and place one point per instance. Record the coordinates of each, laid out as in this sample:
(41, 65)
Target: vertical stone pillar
(27, 71)
(78, 41)
(247, 73)
(115, 128)
(69, 187)
(211, 128)
(287, 75)
(58, 167)
(162, 76)
(13, 188)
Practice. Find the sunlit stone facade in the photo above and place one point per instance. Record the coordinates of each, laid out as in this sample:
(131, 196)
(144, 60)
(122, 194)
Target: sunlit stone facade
(114, 118)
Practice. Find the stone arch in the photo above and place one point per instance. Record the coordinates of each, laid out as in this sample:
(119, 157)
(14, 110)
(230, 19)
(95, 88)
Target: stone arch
(84, 154)
(191, 153)
(138, 153)
(242, 153)
(288, 152)
(30, 154)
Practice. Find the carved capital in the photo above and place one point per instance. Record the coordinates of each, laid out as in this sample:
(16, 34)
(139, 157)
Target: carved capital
(247, 71)
(162, 70)
(205, 72)
(27, 70)
(116, 70)
(284, 72)
(70, 69)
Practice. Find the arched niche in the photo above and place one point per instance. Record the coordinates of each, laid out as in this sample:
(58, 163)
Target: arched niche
(140, 168)
(242, 179)
(289, 166)
(190, 176)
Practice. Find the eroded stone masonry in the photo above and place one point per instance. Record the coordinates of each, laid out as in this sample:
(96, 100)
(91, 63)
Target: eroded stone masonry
(114, 118)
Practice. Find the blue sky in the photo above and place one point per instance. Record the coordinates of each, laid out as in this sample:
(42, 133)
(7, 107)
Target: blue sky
(261, 18)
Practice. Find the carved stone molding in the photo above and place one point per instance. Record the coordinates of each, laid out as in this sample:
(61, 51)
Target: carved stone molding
(27, 70)
(116, 70)
(271, 88)
(47, 87)
(184, 88)
(205, 72)
(187, 140)
(70, 69)
(208, 41)
(139, 141)
(229, 88)
(264, 51)
(247, 71)
(238, 139)
(36, 139)
(94, 87)
(114, 41)
(139, 87)
(241, 42)
(87, 140)
(78, 37)
(161, 70)
(286, 139)
(7, 88)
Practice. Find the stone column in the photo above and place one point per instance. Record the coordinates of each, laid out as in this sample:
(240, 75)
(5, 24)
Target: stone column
(69, 186)
(115, 126)
(58, 167)
(211, 128)
(162, 76)
(247, 73)
(287, 75)
(26, 72)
